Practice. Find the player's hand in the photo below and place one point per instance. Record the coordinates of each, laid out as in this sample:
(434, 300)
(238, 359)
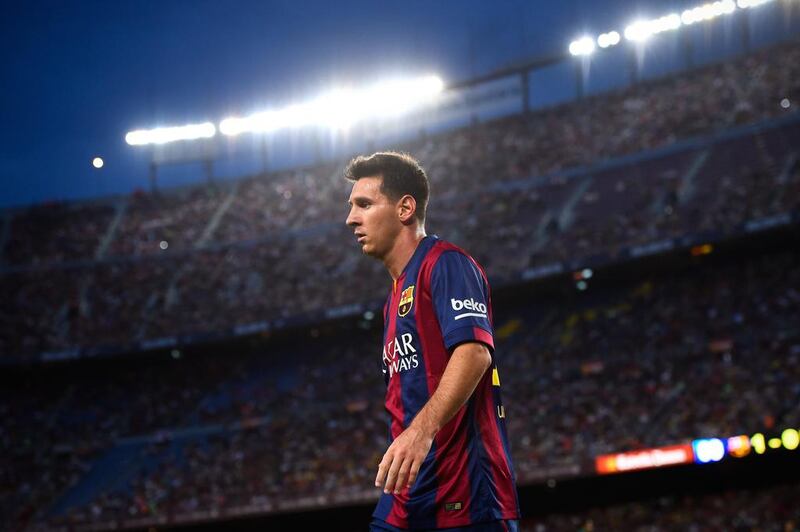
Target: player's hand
(399, 467)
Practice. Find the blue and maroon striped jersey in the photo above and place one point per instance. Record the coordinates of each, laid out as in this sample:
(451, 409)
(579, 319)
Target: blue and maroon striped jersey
(441, 300)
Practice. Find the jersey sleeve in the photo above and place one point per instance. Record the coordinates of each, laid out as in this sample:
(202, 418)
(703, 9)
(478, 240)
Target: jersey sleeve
(461, 299)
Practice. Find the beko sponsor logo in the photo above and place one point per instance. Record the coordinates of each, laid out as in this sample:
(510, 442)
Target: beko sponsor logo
(478, 309)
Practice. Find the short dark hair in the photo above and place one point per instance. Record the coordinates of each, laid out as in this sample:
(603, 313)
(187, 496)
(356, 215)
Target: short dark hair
(401, 175)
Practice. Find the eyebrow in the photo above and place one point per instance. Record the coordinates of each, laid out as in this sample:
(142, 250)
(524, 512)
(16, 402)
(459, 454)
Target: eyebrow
(358, 198)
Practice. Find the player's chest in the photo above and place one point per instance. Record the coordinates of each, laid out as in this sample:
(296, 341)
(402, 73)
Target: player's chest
(408, 305)
(401, 346)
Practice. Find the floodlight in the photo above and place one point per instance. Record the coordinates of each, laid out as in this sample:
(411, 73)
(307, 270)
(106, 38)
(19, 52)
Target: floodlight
(340, 108)
(668, 23)
(233, 126)
(744, 4)
(164, 135)
(643, 29)
(97, 162)
(708, 11)
(638, 31)
(397, 97)
(582, 46)
(608, 39)
(728, 7)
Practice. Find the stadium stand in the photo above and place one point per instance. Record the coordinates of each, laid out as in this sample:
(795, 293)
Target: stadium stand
(599, 208)
(55, 233)
(772, 509)
(654, 362)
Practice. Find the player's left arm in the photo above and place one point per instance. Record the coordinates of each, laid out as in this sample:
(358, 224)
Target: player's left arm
(402, 461)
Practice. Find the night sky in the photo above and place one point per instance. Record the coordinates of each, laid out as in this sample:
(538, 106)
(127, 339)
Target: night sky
(77, 75)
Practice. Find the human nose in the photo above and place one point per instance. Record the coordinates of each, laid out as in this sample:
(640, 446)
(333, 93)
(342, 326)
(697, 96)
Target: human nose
(352, 219)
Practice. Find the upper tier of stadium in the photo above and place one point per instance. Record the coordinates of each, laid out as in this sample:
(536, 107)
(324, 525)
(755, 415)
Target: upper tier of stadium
(642, 117)
(707, 151)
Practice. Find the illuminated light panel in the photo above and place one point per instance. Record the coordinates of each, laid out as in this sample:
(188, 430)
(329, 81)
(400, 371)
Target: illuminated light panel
(341, 108)
(701, 451)
(582, 46)
(164, 135)
(585, 273)
(790, 439)
(646, 459)
(758, 442)
(703, 249)
(739, 446)
(708, 450)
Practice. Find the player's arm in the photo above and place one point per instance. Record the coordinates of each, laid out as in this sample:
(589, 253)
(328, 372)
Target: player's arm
(403, 459)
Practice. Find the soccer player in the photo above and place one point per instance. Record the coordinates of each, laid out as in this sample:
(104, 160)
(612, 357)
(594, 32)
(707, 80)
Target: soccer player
(448, 464)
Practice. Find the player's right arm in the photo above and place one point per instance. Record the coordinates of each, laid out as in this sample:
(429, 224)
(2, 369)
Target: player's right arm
(402, 461)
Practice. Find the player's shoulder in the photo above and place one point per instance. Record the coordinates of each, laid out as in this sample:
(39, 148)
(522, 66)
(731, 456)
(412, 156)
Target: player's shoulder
(441, 247)
(448, 255)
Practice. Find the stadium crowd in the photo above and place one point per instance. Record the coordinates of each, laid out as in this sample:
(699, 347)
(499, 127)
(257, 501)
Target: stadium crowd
(509, 229)
(712, 351)
(55, 232)
(772, 509)
(218, 288)
(644, 116)
(175, 219)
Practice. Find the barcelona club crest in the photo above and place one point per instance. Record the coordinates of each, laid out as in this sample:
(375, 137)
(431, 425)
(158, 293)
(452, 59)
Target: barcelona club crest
(406, 301)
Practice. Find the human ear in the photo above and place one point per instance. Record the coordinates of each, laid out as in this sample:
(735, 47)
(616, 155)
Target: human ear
(407, 208)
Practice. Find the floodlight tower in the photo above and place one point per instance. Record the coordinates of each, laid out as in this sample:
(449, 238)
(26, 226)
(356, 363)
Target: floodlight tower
(178, 145)
(640, 31)
(744, 29)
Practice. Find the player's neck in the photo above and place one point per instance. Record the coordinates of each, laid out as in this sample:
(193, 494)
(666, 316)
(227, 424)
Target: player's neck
(403, 250)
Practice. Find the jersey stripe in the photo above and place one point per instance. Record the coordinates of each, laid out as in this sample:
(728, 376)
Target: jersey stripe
(501, 431)
(483, 336)
(488, 423)
(507, 492)
(452, 452)
(477, 455)
(394, 404)
(426, 488)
